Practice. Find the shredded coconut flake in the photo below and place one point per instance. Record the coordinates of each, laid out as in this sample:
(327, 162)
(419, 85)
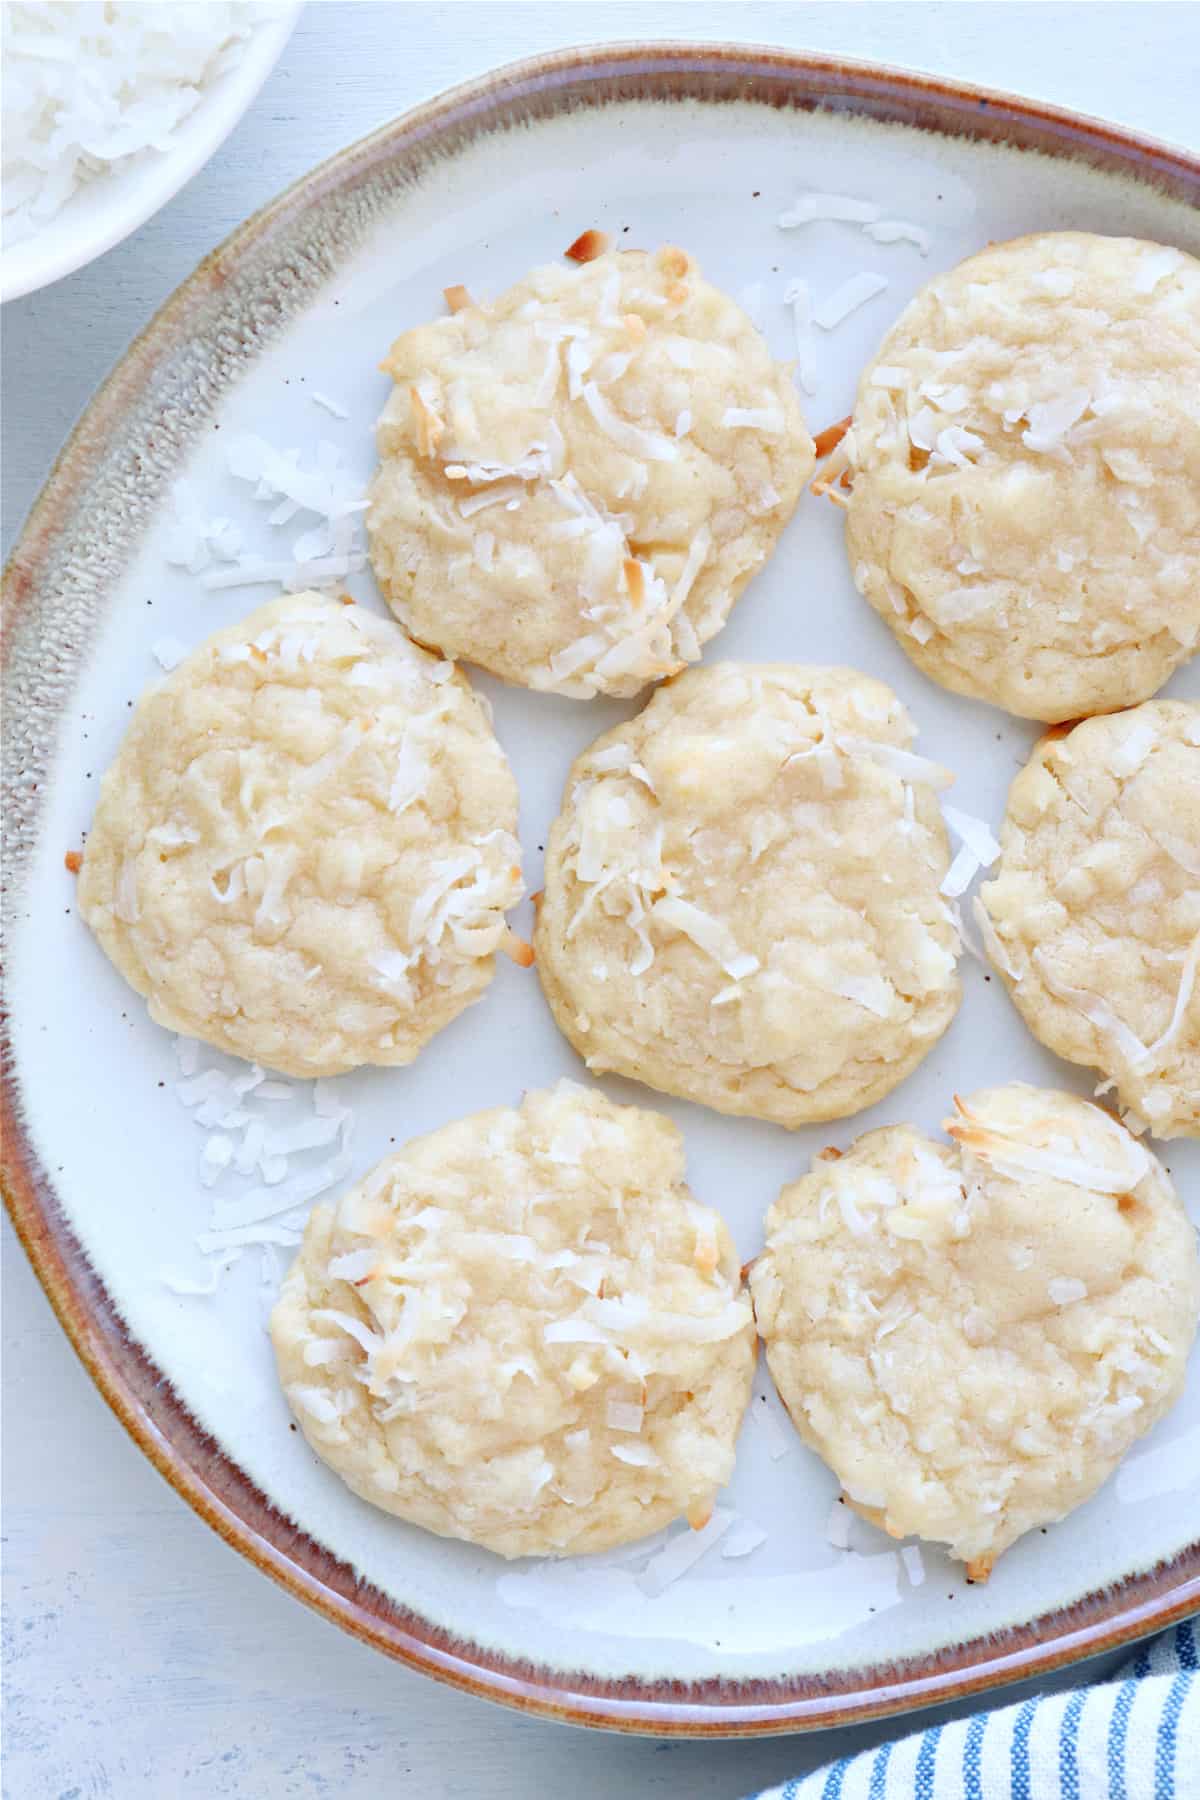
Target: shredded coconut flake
(1096, 1010)
(905, 763)
(742, 1538)
(798, 296)
(168, 652)
(90, 91)
(837, 1525)
(707, 933)
(648, 444)
(767, 419)
(762, 1415)
(847, 298)
(842, 209)
(682, 1553)
(898, 231)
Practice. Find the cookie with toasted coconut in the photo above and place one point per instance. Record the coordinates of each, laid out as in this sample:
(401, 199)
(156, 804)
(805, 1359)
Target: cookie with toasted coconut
(972, 1335)
(761, 848)
(522, 1330)
(578, 478)
(1024, 509)
(1093, 914)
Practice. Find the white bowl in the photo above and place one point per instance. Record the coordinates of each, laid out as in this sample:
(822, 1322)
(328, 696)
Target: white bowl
(105, 210)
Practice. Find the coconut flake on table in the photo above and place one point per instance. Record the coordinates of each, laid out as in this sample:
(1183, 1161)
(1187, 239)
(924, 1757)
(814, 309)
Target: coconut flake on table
(683, 1552)
(847, 298)
(92, 89)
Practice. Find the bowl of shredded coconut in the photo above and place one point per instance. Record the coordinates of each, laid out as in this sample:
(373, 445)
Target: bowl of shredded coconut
(108, 109)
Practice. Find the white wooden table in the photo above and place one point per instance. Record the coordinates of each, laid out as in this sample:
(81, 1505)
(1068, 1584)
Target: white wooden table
(144, 1660)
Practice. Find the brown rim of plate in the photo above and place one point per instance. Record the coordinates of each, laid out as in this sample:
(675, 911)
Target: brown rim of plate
(150, 1411)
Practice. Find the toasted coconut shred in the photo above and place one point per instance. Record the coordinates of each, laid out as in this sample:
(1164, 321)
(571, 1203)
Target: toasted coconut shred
(1092, 915)
(617, 412)
(713, 883)
(505, 1333)
(305, 849)
(973, 1337)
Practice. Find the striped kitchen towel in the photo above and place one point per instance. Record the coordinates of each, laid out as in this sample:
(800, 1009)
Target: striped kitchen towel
(1136, 1737)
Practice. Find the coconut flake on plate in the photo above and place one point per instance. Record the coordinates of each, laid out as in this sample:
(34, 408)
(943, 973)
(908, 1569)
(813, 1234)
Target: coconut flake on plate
(330, 406)
(742, 1538)
(798, 295)
(847, 298)
(839, 209)
(898, 231)
(837, 1525)
(762, 1415)
(168, 652)
(979, 850)
(322, 555)
(992, 943)
(683, 1552)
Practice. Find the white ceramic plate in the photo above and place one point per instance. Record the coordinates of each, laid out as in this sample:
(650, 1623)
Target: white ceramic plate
(103, 212)
(703, 148)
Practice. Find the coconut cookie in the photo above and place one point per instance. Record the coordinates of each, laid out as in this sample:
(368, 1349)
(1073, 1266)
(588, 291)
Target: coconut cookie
(741, 898)
(1094, 912)
(523, 1331)
(1025, 457)
(304, 849)
(577, 480)
(972, 1338)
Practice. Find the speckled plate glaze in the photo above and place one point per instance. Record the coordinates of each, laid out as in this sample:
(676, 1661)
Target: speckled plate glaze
(703, 146)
